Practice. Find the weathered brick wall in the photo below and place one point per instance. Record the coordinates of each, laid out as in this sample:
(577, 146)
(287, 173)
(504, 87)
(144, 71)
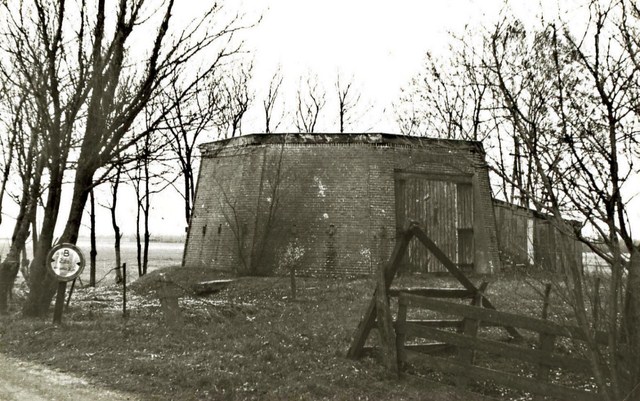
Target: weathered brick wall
(332, 199)
(225, 201)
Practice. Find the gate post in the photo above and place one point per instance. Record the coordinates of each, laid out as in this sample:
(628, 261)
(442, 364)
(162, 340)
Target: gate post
(469, 328)
(386, 333)
(401, 332)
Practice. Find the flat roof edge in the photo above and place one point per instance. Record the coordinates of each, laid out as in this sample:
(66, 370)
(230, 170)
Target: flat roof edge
(333, 138)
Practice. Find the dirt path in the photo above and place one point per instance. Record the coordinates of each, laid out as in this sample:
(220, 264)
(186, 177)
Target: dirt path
(26, 381)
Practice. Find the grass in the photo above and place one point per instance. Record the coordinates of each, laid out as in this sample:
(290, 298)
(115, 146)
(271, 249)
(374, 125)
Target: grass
(249, 341)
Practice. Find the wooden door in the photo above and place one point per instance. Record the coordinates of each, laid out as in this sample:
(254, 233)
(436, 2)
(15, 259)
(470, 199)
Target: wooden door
(445, 209)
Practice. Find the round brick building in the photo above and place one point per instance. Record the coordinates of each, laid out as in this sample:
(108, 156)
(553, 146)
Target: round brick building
(332, 204)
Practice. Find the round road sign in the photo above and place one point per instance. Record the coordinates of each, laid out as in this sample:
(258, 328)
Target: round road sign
(65, 261)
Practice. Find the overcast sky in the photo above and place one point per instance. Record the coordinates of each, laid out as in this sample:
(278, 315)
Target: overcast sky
(381, 44)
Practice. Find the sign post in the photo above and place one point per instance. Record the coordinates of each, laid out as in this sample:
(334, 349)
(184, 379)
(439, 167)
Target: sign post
(65, 262)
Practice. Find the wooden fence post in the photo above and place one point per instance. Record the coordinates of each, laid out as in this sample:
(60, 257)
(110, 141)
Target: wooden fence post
(401, 333)
(545, 304)
(479, 295)
(386, 333)
(546, 343)
(469, 328)
(369, 319)
(596, 303)
(125, 313)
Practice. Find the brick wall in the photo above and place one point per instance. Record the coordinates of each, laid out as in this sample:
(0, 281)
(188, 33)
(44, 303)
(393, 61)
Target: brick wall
(330, 197)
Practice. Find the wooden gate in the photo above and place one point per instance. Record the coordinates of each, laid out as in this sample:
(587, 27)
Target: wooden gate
(378, 313)
(545, 357)
(442, 204)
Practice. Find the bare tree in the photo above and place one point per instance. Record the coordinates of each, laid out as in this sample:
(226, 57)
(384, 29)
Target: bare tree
(84, 64)
(572, 113)
(117, 235)
(270, 101)
(567, 105)
(452, 97)
(348, 101)
(558, 109)
(408, 117)
(140, 182)
(184, 125)
(7, 140)
(7, 144)
(232, 99)
(217, 102)
(30, 162)
(447, 97)
(310, 101)
(148, 177)
(93, 252)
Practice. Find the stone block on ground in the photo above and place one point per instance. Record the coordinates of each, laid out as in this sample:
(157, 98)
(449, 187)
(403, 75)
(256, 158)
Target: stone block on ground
(210, 287)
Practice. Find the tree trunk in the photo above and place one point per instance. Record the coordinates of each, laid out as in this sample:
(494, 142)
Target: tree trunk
(93, 253)
(114, 224)
(34, 233)
(42, 284)
(116, 247)
(187, 194)
(28, 206)
(145, 254)
(11, 264)
(82, 186)
(7, 170)
(138, 239)
(8, 272)
(146, 210)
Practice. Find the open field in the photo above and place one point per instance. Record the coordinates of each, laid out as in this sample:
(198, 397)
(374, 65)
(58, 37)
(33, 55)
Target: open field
(161, 254)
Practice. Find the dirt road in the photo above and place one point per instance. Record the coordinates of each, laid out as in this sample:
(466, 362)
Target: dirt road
(26, 381)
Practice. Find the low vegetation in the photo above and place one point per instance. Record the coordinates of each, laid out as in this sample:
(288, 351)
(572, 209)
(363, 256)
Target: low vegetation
(248, 341)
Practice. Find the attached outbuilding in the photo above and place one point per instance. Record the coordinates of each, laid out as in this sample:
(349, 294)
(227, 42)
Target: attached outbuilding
(528, 238)
(332, 204)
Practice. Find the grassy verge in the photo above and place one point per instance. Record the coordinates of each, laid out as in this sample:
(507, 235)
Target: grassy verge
(249, 341)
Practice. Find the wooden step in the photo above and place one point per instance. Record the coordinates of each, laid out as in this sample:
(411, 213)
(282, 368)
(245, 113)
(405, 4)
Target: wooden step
(433, 292)
(428, 348)
(444, 323)
(440, 323)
